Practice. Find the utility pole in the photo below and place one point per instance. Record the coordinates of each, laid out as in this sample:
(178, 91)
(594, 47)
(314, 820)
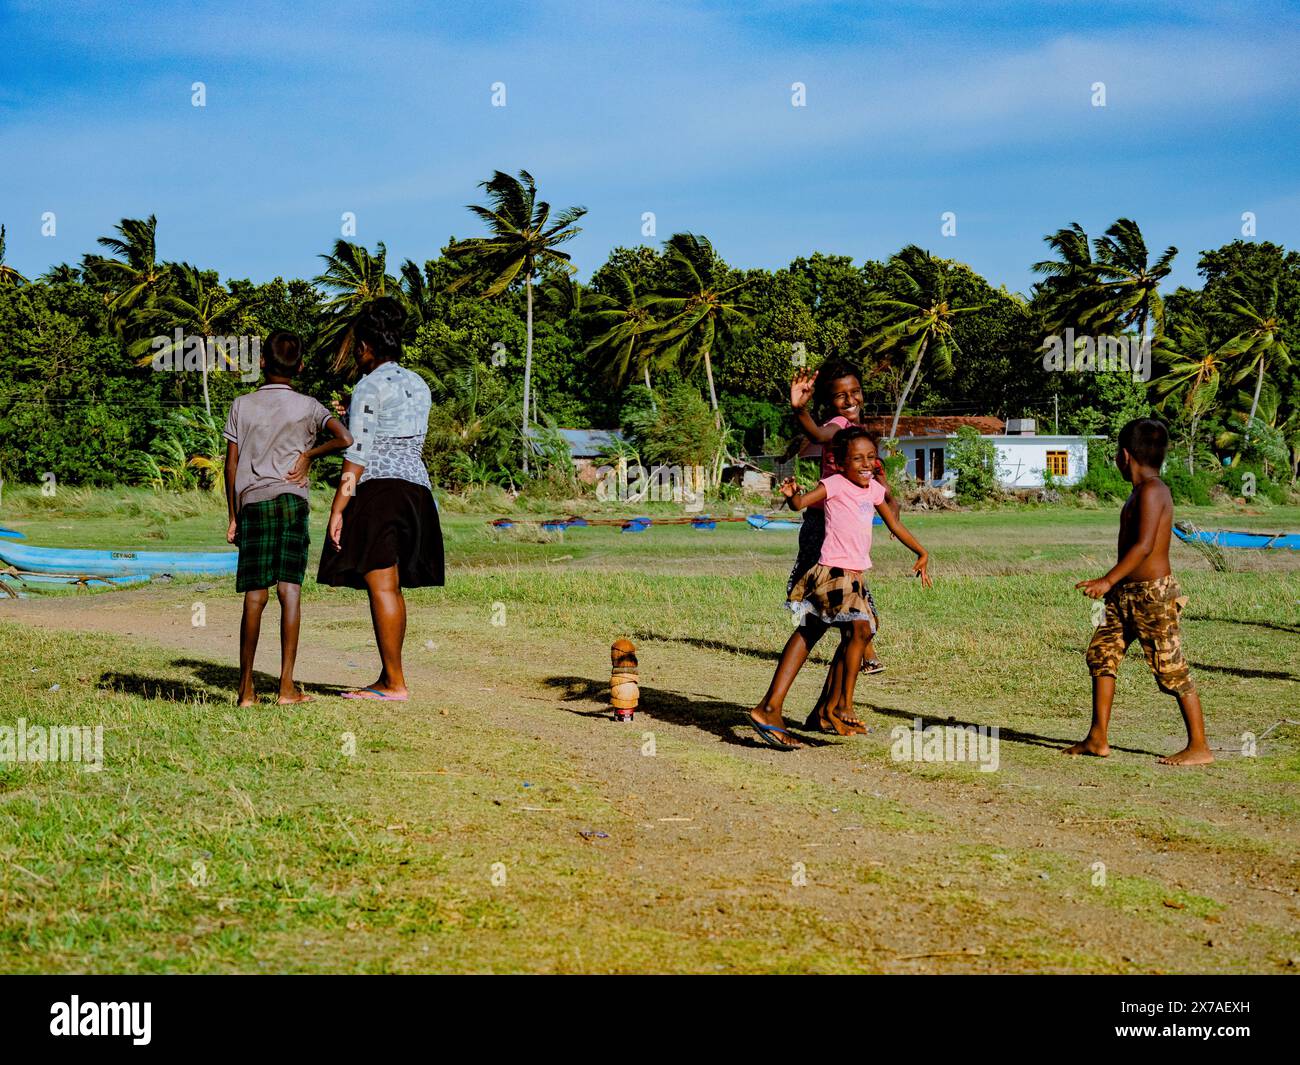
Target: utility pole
(1056, 418)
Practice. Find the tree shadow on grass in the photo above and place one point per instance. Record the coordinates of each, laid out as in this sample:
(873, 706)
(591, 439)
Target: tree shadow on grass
(716, 716)
(164, 689)
(766, 654)
(213, 682)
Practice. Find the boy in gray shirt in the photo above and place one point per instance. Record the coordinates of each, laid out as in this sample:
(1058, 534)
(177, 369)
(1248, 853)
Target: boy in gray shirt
(270, 435)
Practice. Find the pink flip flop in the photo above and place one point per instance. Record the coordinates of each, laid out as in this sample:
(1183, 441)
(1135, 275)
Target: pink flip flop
(374, 696)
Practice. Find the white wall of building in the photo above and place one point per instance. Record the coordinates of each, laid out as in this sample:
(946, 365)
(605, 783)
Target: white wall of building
(1021, 459)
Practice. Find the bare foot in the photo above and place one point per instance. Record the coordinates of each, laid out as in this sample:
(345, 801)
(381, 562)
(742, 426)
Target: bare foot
(1096, 748)
(838, 722)
(852, 725)
(247, 698)
(297, 696)
(1189, 755)
(822, 720)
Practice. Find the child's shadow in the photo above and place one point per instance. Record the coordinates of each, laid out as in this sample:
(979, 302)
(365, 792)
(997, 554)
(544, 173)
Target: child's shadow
(213, 681)
(1011, 735)
(720, 718)
(216, 675)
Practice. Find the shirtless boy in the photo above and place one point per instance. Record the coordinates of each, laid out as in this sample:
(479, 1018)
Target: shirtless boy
(1142, 598)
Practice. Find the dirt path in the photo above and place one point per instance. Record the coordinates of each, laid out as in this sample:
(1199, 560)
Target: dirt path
(719, 837)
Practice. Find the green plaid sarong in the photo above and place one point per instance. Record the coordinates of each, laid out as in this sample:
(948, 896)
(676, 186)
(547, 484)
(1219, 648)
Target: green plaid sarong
(273, 540)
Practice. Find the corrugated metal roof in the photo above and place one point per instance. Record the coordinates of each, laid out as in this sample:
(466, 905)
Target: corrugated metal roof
(587, 443)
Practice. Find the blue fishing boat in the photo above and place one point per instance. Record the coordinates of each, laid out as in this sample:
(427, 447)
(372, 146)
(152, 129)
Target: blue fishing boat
(762, 521)
(76, 562)
(770, 524)
(1232, 538)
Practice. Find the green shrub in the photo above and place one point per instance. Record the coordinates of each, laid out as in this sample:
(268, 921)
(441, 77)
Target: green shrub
(1266, 451)
(678, 431)
(1265, 486)
(1188, 488)
(1103, 478)
(974, 460)
(895, 463)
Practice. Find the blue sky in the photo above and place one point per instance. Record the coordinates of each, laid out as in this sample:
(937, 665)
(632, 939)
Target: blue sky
(682, 108)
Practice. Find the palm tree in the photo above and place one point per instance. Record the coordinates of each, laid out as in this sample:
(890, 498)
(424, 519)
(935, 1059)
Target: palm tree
(562, 296)
(1193, 372)
(523, 238)
(917, 315)
(1127, 288)
(192, 304)
(63, 273)
(471, 424)
(9, 277)
(353, 278)
(697, 308)
(135, 278)
(1109, 286)
(623, 320)
(1066, 278)
(1258, 343)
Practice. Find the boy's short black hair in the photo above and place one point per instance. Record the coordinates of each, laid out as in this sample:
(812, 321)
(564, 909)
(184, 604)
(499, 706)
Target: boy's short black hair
(282, 353)
(840, 442)
(1147, 440)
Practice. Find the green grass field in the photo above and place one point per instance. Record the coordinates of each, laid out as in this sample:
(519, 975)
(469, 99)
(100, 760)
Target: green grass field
(501, 822)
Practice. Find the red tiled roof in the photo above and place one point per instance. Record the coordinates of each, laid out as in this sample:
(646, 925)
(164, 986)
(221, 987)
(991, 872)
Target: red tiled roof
(922, 425)
(936, 425)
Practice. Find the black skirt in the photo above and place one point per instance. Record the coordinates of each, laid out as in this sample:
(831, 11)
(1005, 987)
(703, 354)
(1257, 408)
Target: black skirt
(390, 522)
(812, 533)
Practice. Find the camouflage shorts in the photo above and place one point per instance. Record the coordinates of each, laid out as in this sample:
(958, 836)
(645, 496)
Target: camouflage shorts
(1146, 611)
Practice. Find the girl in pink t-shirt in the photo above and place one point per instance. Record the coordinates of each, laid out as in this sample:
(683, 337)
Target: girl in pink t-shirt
(834, 592)
(835, 389)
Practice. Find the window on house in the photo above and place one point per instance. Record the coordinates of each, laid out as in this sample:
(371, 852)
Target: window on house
(936, 464)
(920, 464)
(1058, 463)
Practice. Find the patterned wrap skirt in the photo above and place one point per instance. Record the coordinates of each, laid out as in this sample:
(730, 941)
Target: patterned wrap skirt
(834, 596)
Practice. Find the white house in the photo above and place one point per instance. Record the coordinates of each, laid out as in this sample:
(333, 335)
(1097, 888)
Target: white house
(1023, 455)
